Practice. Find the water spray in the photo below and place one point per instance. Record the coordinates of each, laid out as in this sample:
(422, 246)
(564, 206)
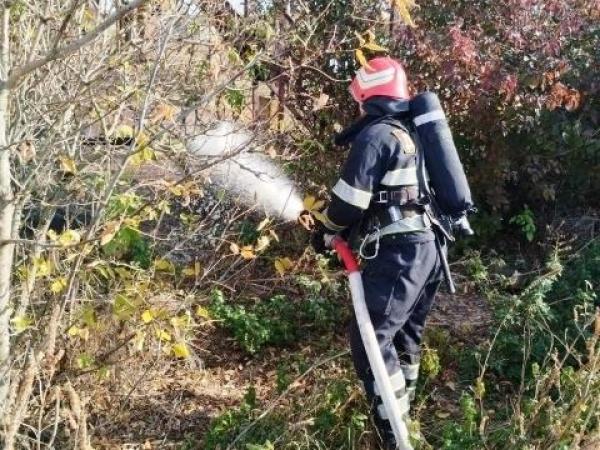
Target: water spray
(251, 176)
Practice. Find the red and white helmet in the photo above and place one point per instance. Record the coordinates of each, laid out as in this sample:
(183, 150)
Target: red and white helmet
(384, 77)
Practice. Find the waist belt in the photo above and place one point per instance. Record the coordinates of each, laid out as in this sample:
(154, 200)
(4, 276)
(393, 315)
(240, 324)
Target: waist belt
(413, 224)
(402, 196)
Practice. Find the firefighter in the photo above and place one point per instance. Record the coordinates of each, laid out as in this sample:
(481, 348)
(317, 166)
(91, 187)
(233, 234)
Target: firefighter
(379, 190)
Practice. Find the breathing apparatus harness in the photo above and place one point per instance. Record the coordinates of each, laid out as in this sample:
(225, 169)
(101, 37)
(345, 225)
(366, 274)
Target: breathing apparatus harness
(409, 209)
(394, 211)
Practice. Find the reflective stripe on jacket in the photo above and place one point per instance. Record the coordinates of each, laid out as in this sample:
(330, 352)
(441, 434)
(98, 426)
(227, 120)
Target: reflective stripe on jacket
(382, 157)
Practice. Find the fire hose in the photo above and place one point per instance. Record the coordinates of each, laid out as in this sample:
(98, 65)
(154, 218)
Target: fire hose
(367, 333)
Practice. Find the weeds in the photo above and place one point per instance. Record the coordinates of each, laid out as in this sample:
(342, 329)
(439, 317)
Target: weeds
(276, 321)
(538, 385)
(331, 416)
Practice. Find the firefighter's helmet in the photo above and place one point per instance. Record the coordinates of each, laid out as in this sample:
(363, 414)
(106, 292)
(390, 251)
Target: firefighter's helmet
(383, 76)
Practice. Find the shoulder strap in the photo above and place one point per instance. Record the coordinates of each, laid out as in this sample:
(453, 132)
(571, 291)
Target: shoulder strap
(424, 190)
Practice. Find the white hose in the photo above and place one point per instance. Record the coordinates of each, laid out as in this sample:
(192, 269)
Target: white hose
(382, 379)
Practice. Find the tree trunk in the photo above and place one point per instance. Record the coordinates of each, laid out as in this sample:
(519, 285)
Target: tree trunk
(7, 209)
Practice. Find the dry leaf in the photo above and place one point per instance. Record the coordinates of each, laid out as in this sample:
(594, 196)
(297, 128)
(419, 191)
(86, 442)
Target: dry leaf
(67, 165)
(163, 112)
(109, 231)
(26, 151)
(320, 102)
(262, 243)
(247, 252)
(263, 224)
(282, 265)
(271, 152)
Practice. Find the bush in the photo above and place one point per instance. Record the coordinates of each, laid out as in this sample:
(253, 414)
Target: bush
(547, 346)
(276, 321)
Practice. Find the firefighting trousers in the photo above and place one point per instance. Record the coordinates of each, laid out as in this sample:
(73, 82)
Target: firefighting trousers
(400, 285)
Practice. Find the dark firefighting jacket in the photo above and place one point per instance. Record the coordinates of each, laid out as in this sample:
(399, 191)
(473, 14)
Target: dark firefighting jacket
(382, 158)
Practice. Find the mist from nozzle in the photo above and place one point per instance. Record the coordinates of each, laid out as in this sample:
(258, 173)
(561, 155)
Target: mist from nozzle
(251, 176)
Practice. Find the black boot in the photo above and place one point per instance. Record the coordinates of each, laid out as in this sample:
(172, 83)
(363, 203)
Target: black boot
(388, 440)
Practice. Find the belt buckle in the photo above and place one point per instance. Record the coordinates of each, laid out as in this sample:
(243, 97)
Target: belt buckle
(383, 197)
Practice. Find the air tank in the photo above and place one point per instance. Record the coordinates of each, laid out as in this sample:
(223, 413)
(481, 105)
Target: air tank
(446, 173)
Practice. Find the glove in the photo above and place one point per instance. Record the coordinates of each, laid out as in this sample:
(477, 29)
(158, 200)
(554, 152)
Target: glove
(317, 238)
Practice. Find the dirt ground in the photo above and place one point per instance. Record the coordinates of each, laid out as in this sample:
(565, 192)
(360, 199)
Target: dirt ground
(172, 405)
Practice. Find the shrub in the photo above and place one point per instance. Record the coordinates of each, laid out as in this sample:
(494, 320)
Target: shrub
(275, 321)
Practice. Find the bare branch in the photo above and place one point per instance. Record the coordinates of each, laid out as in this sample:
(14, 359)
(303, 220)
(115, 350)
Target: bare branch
(62, 52)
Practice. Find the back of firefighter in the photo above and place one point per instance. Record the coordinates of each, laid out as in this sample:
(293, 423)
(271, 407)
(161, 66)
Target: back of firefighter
(379, 188)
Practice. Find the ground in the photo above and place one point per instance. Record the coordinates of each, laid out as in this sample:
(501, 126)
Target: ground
(172, 405)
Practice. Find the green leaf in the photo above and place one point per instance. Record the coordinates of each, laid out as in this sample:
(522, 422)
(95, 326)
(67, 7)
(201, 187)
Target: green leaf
(84, 361)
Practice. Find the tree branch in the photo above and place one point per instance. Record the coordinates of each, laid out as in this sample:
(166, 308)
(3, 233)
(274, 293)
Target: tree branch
(62, 52)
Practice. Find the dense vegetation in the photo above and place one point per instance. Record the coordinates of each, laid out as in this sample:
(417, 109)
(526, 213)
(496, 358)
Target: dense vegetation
(143, 305)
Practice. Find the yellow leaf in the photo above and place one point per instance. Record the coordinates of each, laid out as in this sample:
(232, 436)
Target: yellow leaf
(84, 334)
(43, 267)
(374, 47)
(180, 350)
(361, 40)
(147, 316)
(75, 331)
(123, 307)
(311, 203)
(69, 237)
(282, 265)
(163, 335)
(247, 252)
(262, 243)
(202, 312)
(362, 60)
(193, 271)
(132, 222)
(21, 323)
(479, 388)
(235, 249)
(124, 131)
(143, 155)
(319, 216)
(318, 205)
(88, 315)
(403, 8)
(189, 271)
(67, 165)
(181, 322)
(138, 340)
(164, 265)
(58, 285)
